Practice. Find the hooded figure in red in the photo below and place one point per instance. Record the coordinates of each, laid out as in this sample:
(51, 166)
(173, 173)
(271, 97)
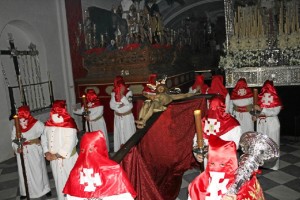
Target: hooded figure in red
(95, 119)
(241, 90)
(219, 123)
(121, 104)
(199, 85)
(27, 121)
(241, 103)
(120, 88)
(59, 116)
(219, 175)
(217, 87)
(92, 99)
(268, 97)
(96, 176)
(269, 105)
(59, 144)
(34, 160)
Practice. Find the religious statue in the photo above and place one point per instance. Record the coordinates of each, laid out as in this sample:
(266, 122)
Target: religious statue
(157, 102)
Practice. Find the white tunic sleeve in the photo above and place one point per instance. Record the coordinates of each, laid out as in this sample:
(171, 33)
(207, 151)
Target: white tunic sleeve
(78, 111)
(70, 140)
(125, 104)
(96, 112)
(271, 112)
(13, 136)
(227, 99)
(44, 142)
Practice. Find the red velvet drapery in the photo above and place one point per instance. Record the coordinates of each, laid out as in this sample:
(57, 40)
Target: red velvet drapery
(156, 165)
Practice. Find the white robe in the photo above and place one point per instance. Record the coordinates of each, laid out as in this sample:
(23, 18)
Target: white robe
(244, 118)
(271, 127)
(35, 165)
(124, 126)
(98, 124)
(62, 141)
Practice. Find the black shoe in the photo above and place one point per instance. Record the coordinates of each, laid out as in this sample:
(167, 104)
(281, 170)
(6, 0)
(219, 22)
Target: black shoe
(23, 197)
(49, 194)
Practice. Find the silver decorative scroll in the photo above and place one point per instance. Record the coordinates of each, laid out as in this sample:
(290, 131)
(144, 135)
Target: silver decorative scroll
(258, 148)
(256, 76)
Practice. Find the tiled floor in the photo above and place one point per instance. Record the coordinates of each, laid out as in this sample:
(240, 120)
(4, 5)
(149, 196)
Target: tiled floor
(283, 184)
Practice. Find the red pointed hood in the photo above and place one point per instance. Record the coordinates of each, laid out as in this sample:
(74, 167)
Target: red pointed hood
(241, 90)
(94, 175)
(59, 116)
(268, 97)
(217, 121)
(217, 86)
(92, 99)
(119, 87)
(199, 82)
(29, 120)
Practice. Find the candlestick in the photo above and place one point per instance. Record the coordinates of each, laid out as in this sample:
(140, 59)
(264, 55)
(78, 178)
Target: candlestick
(17, 125)
(102, 40)
(197, 114)
(255, 96)
(84, 101)
(80, 28)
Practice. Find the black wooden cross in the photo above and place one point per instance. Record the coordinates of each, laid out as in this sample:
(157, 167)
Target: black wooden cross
(14, 53)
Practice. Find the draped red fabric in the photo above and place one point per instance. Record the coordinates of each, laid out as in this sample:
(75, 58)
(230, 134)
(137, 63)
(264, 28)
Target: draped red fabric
(165, 152)
(139, 176)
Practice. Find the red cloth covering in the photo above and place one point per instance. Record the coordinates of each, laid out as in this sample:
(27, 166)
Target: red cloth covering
(24, 112)
(120, 88)
(268, 97)
(140, 177)
(132, 46)
(156, 167)
(107, 177)
(241, 90)
(219, 174)
(217, 121)
(167, 46)
(92, 99)
(59, 111)
(159, 46)
(199, 82)
(156, 46)
(95, 51)
(217, 86)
